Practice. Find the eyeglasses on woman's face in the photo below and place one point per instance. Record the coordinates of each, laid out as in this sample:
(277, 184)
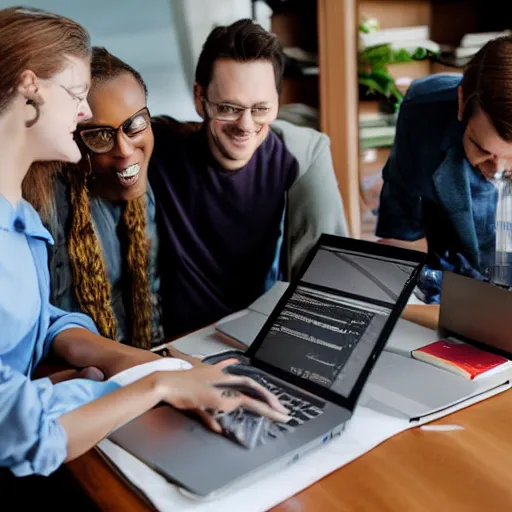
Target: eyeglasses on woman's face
(101, 139)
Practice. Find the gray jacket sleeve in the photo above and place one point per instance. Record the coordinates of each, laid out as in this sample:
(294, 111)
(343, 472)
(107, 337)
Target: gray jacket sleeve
(315, 205)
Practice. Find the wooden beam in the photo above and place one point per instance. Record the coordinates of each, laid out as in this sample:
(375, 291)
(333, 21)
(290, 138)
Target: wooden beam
(337, 41)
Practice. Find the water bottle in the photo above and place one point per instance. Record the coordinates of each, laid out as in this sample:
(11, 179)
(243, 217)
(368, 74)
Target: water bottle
(501, 268)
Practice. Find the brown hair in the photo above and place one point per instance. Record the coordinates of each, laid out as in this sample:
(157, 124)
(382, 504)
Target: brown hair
(38, 187)
(40, 41)
(90, 278)
(242, 41)
(487, 85)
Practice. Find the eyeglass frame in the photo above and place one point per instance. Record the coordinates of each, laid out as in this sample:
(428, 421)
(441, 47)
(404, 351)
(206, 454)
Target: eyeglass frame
(240, 109)
(111, 129)
(73, 95)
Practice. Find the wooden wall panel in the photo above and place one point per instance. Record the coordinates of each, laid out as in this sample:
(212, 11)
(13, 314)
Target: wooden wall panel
(397, 13)
(337, 40)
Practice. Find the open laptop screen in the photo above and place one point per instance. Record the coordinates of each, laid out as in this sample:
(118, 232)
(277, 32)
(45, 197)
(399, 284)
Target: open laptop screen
(330, 324)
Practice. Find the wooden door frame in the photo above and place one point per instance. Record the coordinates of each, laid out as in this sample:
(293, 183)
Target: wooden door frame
(337, 48)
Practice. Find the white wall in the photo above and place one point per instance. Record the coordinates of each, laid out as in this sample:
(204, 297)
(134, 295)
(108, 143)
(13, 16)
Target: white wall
(198, 18)
(161, 39)
(143, 34)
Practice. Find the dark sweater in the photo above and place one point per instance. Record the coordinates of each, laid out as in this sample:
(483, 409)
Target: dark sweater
(219, 230)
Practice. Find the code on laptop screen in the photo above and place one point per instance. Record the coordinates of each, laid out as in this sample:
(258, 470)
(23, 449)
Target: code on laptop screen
(329, 326)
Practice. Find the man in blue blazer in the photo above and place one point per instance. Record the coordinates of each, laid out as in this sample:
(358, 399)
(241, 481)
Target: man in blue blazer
(454, 132)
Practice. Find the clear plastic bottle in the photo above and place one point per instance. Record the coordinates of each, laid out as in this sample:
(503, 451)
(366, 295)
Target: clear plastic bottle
(501, 269)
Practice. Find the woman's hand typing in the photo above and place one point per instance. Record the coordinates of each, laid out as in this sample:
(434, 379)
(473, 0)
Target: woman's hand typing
(209, 390)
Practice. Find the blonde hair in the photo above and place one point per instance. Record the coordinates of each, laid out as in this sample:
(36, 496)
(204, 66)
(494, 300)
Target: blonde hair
(92, 286)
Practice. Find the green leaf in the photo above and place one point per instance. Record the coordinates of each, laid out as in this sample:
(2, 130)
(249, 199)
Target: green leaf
(401, 55)
(369, 25)
(420, 54)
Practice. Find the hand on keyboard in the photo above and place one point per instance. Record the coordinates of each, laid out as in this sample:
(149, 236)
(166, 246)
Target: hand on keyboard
(247, 428)
(251, 430)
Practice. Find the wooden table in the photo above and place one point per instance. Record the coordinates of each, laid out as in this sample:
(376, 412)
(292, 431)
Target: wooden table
(417, 470)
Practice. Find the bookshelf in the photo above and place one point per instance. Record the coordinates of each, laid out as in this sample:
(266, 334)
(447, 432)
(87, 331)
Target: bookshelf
(295, 24)
(329, 29)
(447, 21)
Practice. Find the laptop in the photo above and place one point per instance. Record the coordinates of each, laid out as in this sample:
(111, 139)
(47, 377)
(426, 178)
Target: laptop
(476, 312)
(315, 352)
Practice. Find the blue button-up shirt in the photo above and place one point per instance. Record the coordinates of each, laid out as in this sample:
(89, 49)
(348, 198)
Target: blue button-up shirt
(32, 441)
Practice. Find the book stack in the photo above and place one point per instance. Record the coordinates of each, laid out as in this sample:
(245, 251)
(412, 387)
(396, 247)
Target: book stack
(459, 56)
(376, 129)
(402, 38)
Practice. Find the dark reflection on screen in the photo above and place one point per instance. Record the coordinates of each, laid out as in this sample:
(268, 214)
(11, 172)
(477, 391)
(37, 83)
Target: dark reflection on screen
(331, 323)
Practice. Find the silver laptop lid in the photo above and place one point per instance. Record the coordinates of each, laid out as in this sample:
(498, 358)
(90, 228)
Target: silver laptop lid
(477, 311)
(333, 321)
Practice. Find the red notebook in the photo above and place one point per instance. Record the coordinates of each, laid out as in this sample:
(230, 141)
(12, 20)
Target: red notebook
(461, 358)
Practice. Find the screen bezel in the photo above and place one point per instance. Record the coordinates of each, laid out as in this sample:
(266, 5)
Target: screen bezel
(363, 247)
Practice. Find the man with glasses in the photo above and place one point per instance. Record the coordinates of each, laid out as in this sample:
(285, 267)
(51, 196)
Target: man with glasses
(241, 198)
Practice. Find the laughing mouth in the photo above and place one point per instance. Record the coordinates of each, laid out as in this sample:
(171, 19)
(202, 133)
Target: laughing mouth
(239, 139)
(246, 136)
(129, 176)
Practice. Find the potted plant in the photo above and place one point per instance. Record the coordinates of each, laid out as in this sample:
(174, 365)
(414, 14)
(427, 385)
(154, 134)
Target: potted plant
(373, 61)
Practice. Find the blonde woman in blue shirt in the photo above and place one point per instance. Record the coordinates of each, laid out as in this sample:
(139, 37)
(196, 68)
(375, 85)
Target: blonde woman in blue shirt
(44, 80)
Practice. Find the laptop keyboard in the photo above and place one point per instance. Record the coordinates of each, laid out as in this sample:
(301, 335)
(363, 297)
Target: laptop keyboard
(301, 409)
(251, 430)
